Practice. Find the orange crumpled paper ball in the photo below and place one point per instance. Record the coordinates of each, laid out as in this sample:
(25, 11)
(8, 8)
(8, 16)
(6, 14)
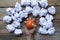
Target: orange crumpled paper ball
(29, 23)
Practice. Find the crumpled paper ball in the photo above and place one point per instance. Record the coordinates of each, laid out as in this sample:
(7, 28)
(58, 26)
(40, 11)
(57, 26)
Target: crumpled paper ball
(12, 11)
(25, 2)
(10, 28)
(16, 24)
(18, 32)
(19, 19)
(7, 19)
(42, 30)
(18, 7)
(51, 31)
(43, 3)
(52, 10)
(36, 10)
(42, 21)
(48, 25)
(28, 9)
(49, 17)
(23, 14)
(43, 12)
(34, 3)
(8, 10)
(15, 16)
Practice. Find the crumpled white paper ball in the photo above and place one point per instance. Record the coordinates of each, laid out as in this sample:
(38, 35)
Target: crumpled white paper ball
(43, 12)
(8, 10)
(18, 7)
(10, 28)
(19, 20)
(28, 9)
(52, 10)
(34, 3)
(49, 17)
(51, 31)
(7, 19)
(18, 31)
(43, 3)
(48, 25)
(42, 21)
(23, 14)
(36, 10)
(16, 24)
(15, 16)
(12, 11)
(42, 30)
(25, 2)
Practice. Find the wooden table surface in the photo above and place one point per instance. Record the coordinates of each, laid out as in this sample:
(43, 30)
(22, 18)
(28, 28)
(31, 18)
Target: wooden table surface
(5, 35)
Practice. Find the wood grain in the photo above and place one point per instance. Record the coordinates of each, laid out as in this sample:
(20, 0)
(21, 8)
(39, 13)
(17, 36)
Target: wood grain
(37, 36)
(5, 35)
(11, 3)
(8, 3)
(56, 36)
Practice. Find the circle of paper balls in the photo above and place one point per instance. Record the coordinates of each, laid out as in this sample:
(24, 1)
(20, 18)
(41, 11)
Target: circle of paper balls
(39, 8)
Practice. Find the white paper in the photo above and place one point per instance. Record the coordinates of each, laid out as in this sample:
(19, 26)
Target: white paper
(8, 10)
(10, 28)
(25, 2)
(52, 10)
(36, 10)
(42, 31)
(43, 3)
(18, 31)
(51, 31)
(48, 25)
(23, 14)
(43, 12)
(7, 19)
(49, 17)
(34, 3)
(42, 21)
(28, 9)
(18, 7)
(16, 24)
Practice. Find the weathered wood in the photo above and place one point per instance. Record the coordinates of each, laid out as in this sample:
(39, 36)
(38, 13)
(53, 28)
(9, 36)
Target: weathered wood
(2, 13)
(37, 36)
(8, 3)
(56, 16)
(9, 37)
(56, 36)
(2, 24)
(11, 3)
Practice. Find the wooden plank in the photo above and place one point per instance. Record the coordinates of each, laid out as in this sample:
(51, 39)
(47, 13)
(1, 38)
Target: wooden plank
(56, 36)
(8, 37)
(2, 25)
(37, 36)
(56, 16)
(2, 13)
(54, 2)
(8, 3)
